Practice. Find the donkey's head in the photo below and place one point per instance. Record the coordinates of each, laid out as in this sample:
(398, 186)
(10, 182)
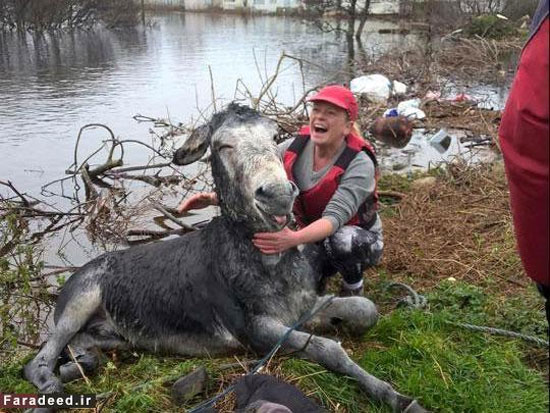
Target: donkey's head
(249, 177)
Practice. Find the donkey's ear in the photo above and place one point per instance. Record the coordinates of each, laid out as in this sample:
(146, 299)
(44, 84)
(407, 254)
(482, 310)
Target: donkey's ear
(194, 147)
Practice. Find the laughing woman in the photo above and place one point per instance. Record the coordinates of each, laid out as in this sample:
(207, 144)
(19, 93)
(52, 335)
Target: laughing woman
(335, 170)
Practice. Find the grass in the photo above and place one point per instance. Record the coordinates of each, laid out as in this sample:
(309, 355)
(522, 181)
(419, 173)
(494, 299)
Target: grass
(447, 368)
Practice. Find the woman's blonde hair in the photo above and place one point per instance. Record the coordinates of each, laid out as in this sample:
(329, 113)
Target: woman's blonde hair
(356, 131)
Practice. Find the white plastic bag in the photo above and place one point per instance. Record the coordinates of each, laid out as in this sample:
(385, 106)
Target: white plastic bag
(376, 88)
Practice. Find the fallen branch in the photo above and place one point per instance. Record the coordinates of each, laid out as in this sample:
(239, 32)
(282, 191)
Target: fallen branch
(155, 181)
(171, 217)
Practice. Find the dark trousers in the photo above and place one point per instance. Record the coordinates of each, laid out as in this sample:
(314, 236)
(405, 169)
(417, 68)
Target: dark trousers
(350, 251)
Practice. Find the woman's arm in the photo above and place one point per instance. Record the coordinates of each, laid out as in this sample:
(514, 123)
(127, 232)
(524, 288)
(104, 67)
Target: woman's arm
(277, 242)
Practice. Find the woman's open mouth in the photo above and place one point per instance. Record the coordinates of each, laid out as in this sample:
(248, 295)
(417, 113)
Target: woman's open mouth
(320, 128)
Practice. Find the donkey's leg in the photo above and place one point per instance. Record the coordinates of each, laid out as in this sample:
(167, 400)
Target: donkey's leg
(267, 331)
(76, 313)
(85, 346)
(354, 315)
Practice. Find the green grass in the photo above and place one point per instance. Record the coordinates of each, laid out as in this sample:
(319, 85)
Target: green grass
(453, 370)
(447, 368)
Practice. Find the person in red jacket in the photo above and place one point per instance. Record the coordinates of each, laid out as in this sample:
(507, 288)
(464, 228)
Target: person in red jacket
(523, 137)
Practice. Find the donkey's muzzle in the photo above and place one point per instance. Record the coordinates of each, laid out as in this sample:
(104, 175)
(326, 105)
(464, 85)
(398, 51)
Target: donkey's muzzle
(277, 196)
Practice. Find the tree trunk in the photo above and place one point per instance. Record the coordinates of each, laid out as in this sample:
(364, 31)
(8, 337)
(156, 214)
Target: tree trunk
(352, 16)
(363, 16)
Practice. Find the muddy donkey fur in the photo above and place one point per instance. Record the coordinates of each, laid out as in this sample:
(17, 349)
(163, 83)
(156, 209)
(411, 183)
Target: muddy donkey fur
(211, 291)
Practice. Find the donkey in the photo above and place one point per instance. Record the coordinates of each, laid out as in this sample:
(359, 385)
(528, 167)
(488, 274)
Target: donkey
(211, 292)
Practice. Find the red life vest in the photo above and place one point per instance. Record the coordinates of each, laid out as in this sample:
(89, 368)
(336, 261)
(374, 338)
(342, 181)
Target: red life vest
(310, 204)
(523, 137)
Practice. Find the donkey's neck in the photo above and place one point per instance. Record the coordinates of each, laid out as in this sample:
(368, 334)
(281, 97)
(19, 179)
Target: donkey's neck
(243, 234)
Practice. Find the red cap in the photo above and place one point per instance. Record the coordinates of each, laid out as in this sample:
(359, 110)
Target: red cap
(339, 96)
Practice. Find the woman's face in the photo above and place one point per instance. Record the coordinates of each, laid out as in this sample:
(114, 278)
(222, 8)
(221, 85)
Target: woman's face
(328, 124)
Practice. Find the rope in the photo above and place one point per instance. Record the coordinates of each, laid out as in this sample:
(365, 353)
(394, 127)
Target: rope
(417, 301)
(413, 300)
(500, 332)
(308, 315)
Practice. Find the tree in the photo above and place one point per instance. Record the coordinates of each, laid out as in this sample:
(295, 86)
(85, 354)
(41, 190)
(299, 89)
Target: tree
(40, 15)
(350, 11)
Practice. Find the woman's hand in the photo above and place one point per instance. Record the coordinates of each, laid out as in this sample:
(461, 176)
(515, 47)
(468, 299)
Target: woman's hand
(276, 242)
(198, 201)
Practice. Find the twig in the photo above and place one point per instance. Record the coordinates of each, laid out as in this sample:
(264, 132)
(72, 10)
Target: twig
(24, 200)
(392, 194)
(86, 379)
(212, 89)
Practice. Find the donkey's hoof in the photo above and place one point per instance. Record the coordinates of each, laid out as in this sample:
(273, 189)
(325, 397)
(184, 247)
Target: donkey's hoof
(414, 407)
(52, 385)
(69, 372)
(87, 360)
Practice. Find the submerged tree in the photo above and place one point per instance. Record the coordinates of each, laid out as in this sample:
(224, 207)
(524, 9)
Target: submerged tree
(351, 11)
(40, 15)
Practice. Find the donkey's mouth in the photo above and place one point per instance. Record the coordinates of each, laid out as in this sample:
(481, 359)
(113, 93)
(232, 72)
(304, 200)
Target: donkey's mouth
(274, 220)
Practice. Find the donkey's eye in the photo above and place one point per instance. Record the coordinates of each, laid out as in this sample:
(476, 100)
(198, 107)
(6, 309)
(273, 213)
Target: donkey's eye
(225, 146)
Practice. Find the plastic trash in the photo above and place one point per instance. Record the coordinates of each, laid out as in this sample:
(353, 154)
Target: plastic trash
(410, 109)
(399, 88)
(376, 88)
(413, 113)
(431, 95)
(391, 113)
(441, 141)
(462, 97)
(411, 103)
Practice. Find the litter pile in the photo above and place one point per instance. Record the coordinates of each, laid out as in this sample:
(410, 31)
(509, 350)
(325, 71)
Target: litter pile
(446, 125)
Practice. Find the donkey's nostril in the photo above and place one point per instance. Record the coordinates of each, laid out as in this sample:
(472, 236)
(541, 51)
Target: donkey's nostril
(294, 188)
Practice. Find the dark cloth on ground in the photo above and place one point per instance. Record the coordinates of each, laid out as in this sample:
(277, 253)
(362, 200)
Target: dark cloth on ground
(252, 390)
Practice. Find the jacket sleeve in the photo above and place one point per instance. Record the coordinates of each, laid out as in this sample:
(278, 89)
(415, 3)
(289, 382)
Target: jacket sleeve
(356, 184)
(524, 139)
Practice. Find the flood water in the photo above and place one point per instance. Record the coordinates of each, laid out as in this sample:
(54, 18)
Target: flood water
(50, 86)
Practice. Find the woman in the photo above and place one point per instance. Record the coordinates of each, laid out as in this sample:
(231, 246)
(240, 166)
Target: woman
(335, 170)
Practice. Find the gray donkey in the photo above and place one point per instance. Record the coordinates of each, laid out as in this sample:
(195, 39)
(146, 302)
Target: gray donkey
(211, 291)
